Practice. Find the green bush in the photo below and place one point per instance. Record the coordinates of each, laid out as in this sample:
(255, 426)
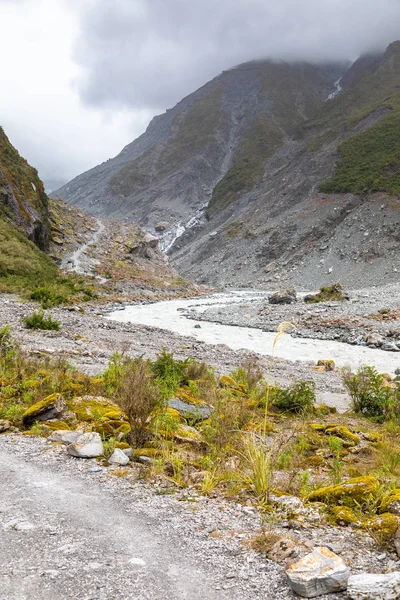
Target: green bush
(332, 292)
(171, 373)
(370, 394)
(6, 341)
(48, 297)
(38, 320)
(298, 399)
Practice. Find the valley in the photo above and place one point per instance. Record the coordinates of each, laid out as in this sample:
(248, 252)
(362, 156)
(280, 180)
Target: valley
(199, 348)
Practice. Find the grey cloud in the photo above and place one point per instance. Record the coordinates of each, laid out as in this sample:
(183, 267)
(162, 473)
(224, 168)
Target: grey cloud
(150, 53)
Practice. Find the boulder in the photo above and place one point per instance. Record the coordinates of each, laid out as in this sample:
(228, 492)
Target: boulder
(151, 240)
(373, 339)
(320, 572)
(118, 457)
(52, 407)
(283, 297)
(353, 490)
(64, 436)
(162, 226)
(379, 587)
(283, 549)
(4, 425)
(87, 445)
(197, 412)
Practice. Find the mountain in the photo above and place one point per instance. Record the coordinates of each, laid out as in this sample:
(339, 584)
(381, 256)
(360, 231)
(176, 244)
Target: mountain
(37, 235)
(169, 173)
(23, 200)
(270, 173)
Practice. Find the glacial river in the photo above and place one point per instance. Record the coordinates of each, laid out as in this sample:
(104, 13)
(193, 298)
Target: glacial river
(170, 315)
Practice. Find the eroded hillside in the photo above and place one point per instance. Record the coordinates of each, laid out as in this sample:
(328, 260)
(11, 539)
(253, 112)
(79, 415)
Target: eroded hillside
(270, 173)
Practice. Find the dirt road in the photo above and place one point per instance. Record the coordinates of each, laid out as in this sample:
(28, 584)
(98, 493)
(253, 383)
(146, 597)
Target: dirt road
(70, 530)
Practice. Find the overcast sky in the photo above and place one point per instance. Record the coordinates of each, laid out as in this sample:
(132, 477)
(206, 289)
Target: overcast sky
(79, 79)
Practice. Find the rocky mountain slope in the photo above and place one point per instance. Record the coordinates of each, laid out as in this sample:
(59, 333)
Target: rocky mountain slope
(37, 235)
(270, 173)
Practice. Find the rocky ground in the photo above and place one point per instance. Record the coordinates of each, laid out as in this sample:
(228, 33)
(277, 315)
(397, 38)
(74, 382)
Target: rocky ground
(97, 531)
(88, 533)
(355, 321)
(124, 262)
(88, 340)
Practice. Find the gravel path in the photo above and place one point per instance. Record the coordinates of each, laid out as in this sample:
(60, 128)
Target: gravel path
(71, 531)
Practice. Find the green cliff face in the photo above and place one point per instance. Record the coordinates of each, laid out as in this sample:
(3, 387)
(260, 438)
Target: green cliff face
(24, 223)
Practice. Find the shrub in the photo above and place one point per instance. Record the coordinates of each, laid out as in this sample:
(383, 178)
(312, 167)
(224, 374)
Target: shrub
(298, 399)
(6, 341)
(171, 373)
(48, 297)
(370, 393)
(138, 396)
(38, 320)
(331, 292)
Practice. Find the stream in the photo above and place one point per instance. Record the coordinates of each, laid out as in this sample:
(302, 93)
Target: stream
(170, 315)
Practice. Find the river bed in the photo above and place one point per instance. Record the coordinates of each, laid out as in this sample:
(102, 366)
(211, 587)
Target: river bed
(170, 315)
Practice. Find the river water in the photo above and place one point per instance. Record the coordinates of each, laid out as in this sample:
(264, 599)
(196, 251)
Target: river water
(170, 315)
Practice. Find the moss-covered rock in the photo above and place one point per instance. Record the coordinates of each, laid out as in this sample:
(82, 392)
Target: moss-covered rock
(341, 515)
(320, 427)
(391, 502)
(122, 445)
(51, 407)
(57, 425)
(372, 436)
(383, 527)
(328, 365)
(148, 452)
(351, 491)
(344, 433)
(90, 408)
(114, 414)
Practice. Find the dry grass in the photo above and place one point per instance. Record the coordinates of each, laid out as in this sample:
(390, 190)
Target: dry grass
(138, 397)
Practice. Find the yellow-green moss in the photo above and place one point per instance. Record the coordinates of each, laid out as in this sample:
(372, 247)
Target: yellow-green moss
(56, 425)
(382, 527)
(341, 515)
(122, 445)
(149, 452)
(95, 408)
(113, 414)
(329, 365)
(344, 433)
(391, 502)
(320, 427)
(125, 428)
(351, 491)
(372, 436)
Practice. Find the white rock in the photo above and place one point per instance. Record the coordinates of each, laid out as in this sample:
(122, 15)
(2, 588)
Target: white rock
(87, 445)
(118, 457)
(378, 587)
(19, 525)
(320, 572)
(64, 436)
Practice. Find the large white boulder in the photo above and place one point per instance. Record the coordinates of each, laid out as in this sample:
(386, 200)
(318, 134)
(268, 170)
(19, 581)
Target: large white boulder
(320, 572)
(118, 457)
(88, 445)
(378, 587)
